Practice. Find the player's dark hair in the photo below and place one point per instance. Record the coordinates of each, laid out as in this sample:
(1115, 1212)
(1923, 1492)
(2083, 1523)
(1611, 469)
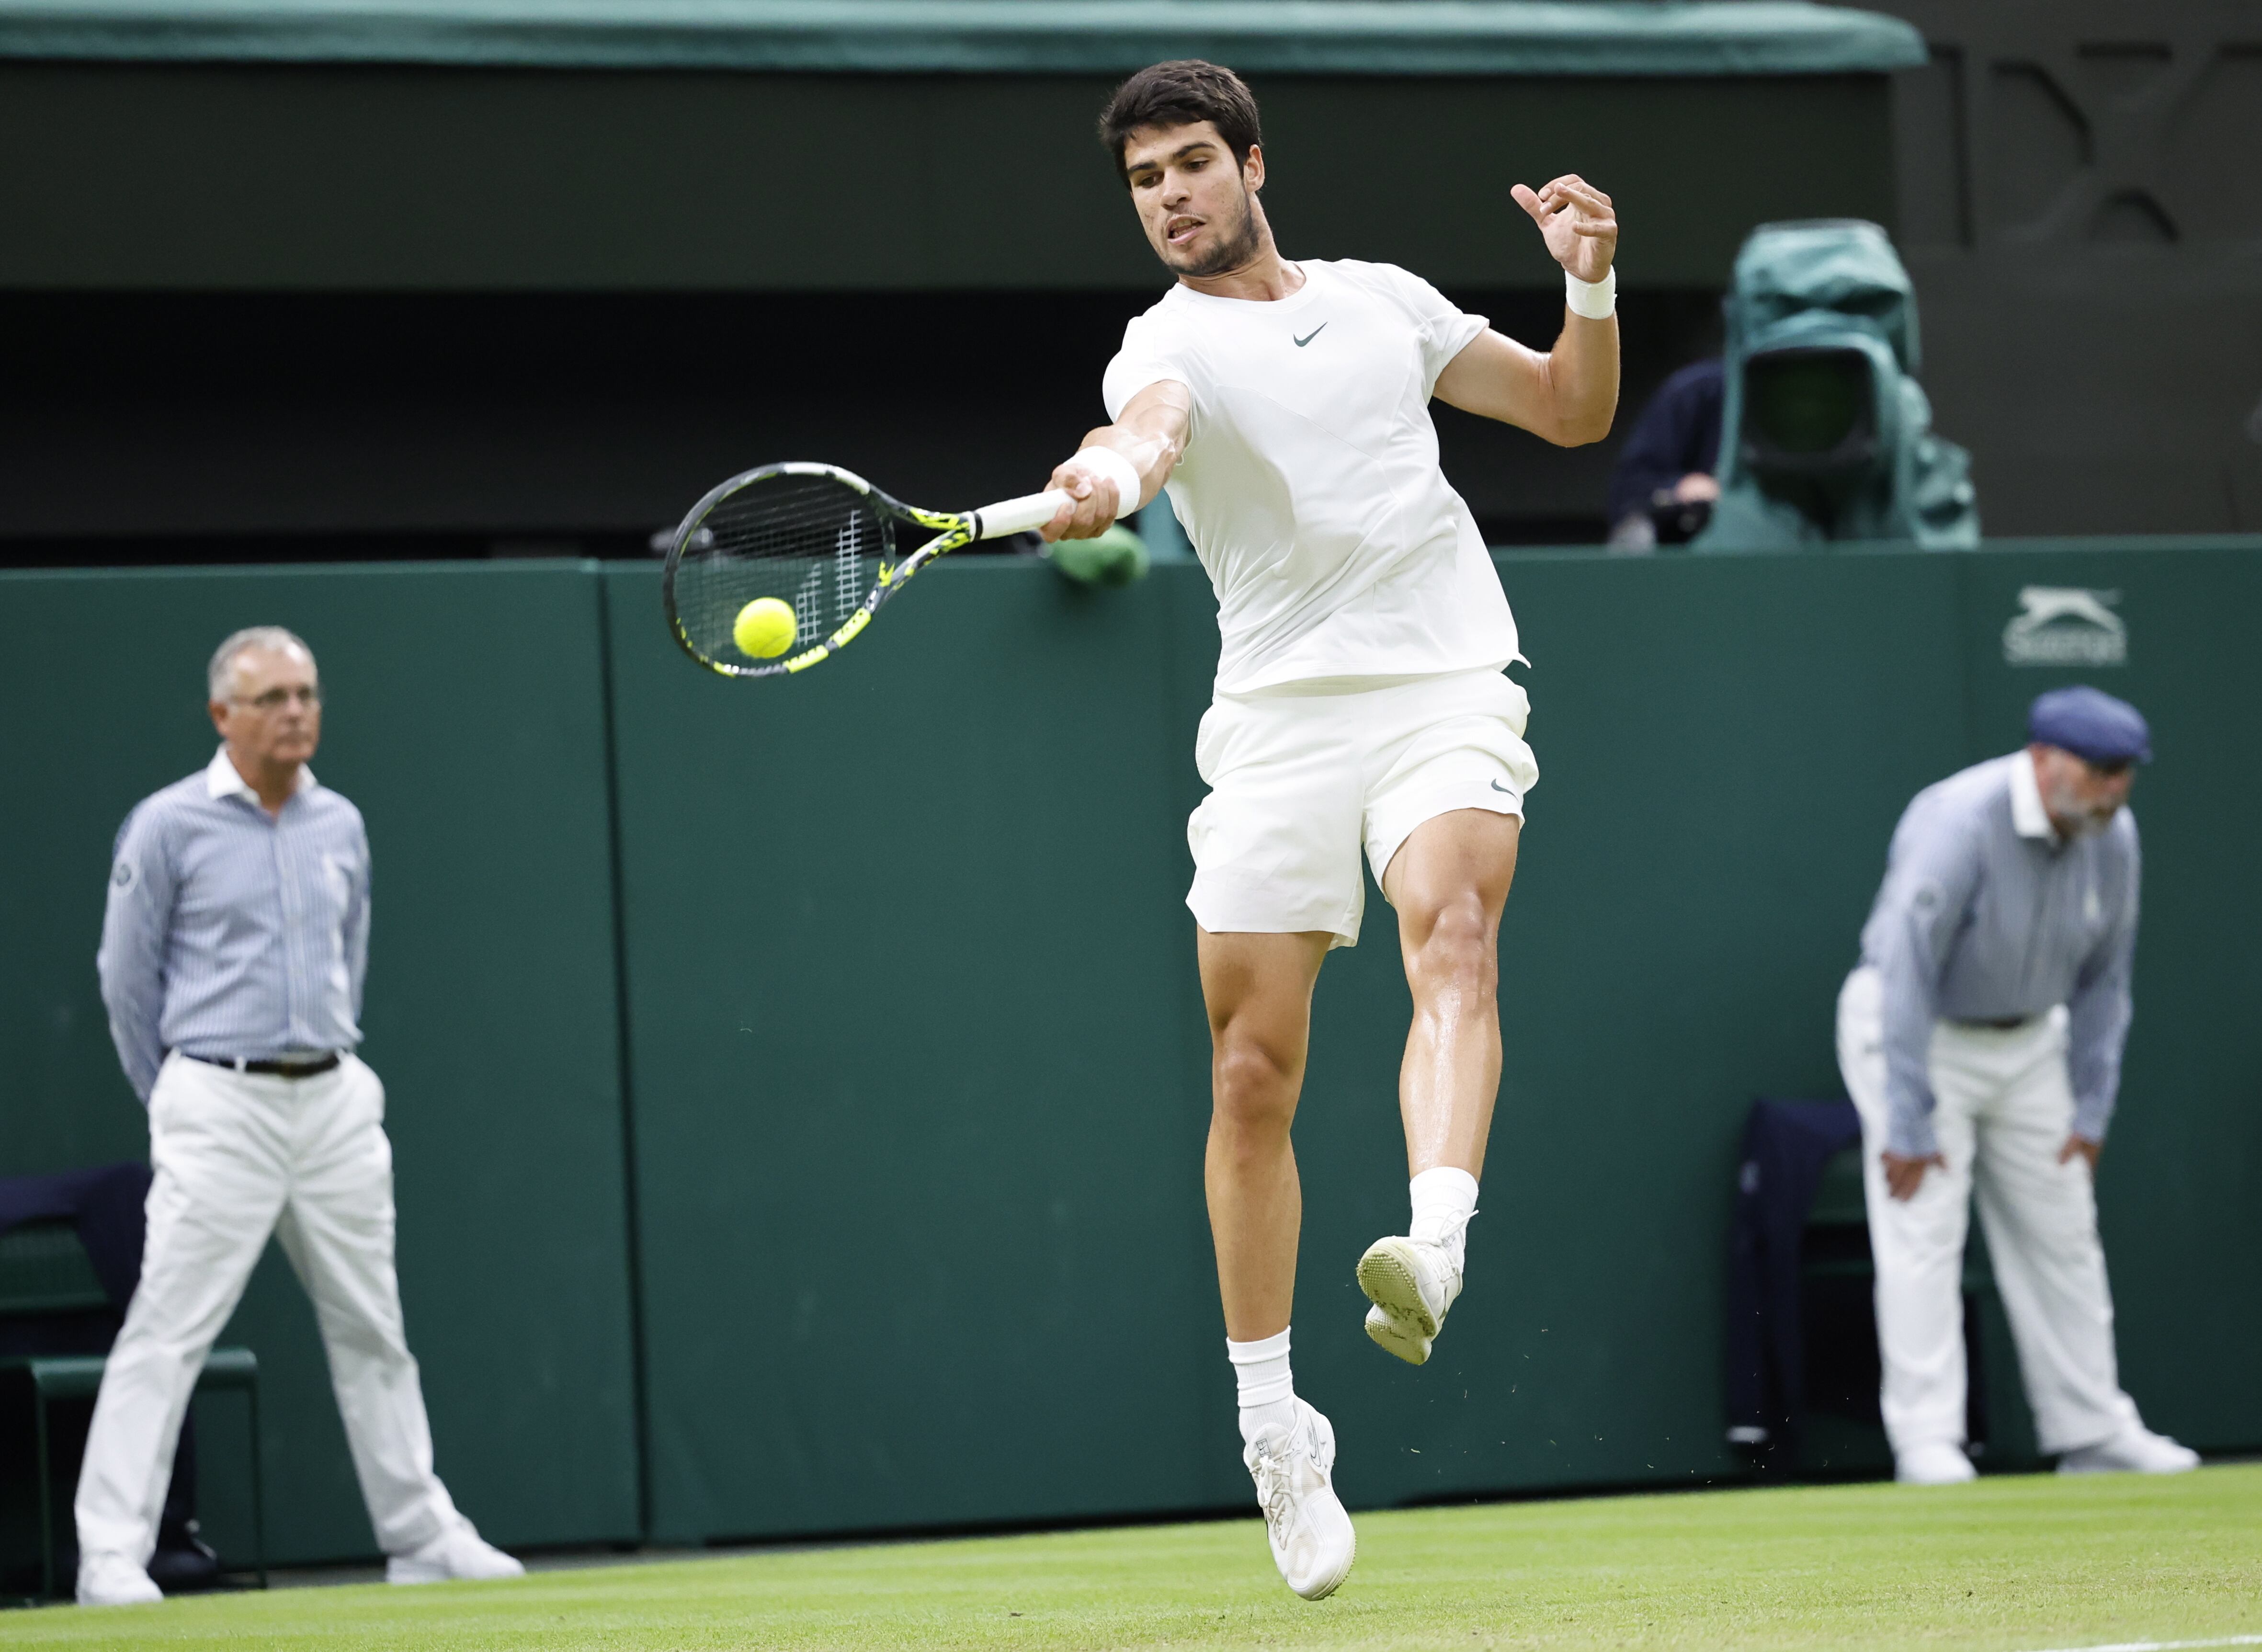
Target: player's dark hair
(1181, 93)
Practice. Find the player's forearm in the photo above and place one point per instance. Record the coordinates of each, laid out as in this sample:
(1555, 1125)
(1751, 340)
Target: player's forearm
(1146, 442)
(1151, 434)
(1582, 379)
(1151, 457)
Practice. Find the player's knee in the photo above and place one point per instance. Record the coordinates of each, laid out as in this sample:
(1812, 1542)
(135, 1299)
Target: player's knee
(1461, 946)
(1254, 1093)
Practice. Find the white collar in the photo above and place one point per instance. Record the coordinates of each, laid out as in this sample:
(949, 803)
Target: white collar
(222, 781)
(1294, 302)
(2028, 817)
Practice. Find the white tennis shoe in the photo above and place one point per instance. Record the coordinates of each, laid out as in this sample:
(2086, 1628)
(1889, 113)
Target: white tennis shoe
(1938, 1463)
(1411, 1283)
(113, 1580)
(2137, 1450)
(458, 1552)
(1313, 1543)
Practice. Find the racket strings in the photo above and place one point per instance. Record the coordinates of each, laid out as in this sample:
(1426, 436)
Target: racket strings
(813, 542)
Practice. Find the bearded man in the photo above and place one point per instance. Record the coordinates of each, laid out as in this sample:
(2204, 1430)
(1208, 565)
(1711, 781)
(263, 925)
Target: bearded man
(1980, 1038)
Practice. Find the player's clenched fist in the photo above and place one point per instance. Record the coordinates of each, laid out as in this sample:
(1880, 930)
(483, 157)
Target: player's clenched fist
(1581, 225)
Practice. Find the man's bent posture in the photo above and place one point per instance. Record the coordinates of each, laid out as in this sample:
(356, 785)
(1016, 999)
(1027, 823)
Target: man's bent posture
(1980, 1038)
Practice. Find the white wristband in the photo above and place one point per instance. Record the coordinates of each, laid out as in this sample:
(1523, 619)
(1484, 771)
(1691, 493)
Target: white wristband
(1117, 469)
(1594, 299)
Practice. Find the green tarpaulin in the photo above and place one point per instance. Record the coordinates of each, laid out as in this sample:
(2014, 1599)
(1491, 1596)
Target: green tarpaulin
(1318, 37)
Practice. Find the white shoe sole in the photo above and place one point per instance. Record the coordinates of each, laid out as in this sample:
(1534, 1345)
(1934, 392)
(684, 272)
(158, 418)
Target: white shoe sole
(409, 1572)
(2126, 1469)
(1322, 1590)
(1400, 1322)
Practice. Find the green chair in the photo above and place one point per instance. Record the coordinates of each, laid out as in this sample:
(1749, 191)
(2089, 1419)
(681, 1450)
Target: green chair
(43, 1271)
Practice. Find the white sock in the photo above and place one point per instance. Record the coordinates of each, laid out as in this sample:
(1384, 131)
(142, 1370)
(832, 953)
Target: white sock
(1268, 1393)
(1444, 1199)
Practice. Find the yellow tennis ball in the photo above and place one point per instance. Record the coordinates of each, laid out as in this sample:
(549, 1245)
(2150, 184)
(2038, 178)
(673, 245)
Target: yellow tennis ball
(765, 628)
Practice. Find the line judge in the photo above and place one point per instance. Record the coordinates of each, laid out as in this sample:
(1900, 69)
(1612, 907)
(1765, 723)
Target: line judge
(1981, 1039)
(232, 953)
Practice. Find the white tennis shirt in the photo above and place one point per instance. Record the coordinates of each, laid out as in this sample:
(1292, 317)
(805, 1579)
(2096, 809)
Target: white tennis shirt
(1310, 485)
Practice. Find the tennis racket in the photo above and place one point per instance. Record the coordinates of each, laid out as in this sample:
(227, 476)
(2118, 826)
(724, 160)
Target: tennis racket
(817, 540)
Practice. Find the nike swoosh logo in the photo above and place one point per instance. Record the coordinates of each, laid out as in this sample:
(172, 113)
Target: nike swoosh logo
(1309, 336)
(1496, 786)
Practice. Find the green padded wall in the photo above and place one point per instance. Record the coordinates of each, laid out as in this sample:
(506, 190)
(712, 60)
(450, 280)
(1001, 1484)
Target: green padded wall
(914, 1067)
(465, 717)
(919, 1058)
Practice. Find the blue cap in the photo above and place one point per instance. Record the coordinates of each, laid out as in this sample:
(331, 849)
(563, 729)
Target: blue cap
(2091, 724)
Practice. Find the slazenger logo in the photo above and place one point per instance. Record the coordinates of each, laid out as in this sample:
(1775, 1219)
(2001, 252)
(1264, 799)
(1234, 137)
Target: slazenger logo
(2065, 626)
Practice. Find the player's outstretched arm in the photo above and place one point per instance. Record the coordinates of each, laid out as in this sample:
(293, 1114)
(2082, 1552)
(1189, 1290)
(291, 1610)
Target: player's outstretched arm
(1149, 439)
(1569, 395)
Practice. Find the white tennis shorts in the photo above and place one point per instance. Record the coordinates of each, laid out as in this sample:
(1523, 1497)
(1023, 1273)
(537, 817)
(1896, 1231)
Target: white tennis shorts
(1301, 778)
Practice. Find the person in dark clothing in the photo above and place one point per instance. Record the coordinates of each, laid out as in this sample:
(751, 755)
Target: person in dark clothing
(1663, 487)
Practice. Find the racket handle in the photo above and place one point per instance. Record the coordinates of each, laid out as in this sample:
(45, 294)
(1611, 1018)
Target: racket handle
(1019, 516)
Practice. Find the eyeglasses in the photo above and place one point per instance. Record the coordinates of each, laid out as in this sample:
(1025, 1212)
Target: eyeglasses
(276, 699)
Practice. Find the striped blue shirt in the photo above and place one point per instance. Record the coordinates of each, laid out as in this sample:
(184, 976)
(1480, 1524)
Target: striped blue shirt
(234, 933)
(1986, 915)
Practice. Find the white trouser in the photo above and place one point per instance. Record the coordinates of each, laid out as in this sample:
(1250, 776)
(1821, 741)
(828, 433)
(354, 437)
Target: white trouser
(2003, 1106)
(237, 1157)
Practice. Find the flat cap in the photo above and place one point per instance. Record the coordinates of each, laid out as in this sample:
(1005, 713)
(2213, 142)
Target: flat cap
(2091, 724)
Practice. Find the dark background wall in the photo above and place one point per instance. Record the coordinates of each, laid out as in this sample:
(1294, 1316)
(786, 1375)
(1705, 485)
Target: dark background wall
(204, 178)
(292, 311)
(916, 1086)
(541, 310)
(2080, 202)
(175, 427)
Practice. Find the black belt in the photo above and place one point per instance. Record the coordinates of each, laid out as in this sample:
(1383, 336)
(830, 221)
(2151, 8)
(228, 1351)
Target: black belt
(2008, 1024)
(272, 1069)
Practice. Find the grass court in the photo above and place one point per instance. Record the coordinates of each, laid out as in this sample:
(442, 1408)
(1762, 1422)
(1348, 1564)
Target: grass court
(2024, 1563)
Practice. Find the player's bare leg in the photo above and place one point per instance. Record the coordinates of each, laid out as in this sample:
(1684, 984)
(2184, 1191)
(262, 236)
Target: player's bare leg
(1259, 988)
(1448, 883)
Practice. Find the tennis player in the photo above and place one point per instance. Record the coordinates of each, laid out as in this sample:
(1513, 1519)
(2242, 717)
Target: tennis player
(1360, 698)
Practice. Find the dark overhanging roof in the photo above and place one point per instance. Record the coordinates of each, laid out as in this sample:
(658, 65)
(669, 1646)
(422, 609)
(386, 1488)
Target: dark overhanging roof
(1312, 37)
